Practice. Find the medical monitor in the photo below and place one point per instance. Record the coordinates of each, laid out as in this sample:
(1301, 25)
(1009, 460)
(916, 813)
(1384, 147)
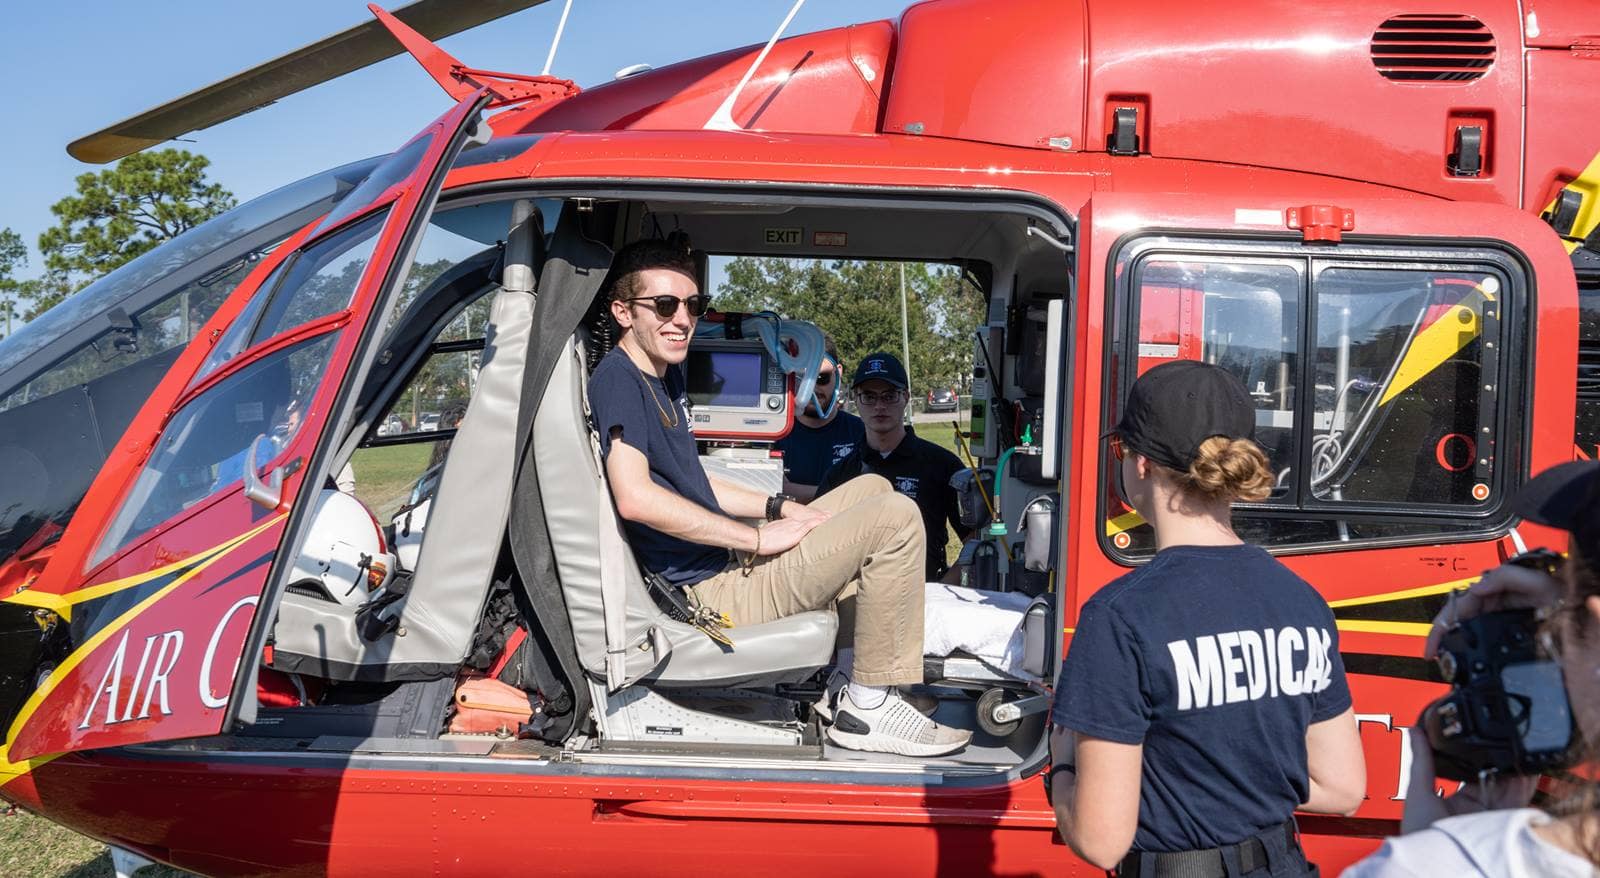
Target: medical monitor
(737, 391)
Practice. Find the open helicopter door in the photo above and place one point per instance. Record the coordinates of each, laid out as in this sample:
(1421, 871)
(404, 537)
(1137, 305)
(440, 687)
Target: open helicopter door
(148, 606)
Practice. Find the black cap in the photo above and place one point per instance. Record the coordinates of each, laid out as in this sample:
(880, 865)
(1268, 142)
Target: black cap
(1176, 406)
(1566, 496)
(881, 367)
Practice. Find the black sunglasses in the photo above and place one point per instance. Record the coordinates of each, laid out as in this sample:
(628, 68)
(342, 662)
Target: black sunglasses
(667, 305)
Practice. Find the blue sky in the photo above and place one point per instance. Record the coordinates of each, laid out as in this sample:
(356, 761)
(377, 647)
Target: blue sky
(76, 66)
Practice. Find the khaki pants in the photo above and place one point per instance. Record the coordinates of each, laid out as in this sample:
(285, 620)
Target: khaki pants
(869, 555)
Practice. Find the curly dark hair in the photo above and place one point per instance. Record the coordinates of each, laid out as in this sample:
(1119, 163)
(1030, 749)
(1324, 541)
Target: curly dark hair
(622, 282)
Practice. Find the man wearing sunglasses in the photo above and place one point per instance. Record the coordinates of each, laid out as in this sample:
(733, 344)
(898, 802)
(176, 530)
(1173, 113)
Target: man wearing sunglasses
(817, 442)
(915, 467)
(859, 549)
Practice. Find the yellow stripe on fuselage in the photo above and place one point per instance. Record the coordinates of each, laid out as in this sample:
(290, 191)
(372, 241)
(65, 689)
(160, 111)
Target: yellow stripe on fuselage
(1588, 186)
(1418, 592)
(9, 769)
(1374, 626)
(62, 603)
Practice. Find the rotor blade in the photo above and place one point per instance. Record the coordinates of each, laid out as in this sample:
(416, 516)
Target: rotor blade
(326, 59)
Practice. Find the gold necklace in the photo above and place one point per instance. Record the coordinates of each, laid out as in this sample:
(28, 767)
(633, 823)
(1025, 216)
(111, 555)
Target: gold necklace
(671, 425)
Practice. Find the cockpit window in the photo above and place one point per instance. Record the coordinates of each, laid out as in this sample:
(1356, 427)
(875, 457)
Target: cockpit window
(209, 256)
(75, 377)
(307, 285)
(204, 448)
(1378, 381)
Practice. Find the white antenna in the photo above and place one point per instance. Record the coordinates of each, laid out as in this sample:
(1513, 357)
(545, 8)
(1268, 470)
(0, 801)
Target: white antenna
(551, 58)
(722, 119)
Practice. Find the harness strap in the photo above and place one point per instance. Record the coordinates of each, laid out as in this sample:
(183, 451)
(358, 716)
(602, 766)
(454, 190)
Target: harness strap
(568, 284)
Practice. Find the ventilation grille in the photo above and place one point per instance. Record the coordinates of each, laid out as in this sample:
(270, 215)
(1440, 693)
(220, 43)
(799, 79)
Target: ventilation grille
(1433, 48)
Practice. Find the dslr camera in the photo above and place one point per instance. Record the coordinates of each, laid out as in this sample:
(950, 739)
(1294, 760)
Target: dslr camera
(1507, 710)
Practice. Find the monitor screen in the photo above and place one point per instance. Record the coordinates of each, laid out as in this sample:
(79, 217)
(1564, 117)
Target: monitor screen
(728, 378)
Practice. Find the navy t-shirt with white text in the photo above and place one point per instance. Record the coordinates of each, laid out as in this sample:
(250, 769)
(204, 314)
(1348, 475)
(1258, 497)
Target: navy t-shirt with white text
(1216, 659)
(809, 451)
(623, 397)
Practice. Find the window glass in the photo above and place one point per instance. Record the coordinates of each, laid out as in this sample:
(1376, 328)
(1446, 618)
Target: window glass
(322, 280)
(497, 150)
(1243, 316)
(168, 262)
(395, 169)
(314, 283)
(157, 329)
(1388, 430)
(390, 478)
(1399, 390)
(452, 237)
(203, 449)
(436, 396)
(435, 400)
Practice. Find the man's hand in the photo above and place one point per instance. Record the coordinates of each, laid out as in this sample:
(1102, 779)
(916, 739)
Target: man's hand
(1506, 587)
(802, 512)
(784, 534)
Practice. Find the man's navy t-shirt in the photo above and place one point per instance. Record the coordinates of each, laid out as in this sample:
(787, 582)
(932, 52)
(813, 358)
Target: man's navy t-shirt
(809, 451)
(1216, 659)
(622, 396)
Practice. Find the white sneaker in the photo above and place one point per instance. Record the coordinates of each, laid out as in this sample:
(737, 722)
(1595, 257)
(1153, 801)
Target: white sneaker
(895, 726)
(823, 707)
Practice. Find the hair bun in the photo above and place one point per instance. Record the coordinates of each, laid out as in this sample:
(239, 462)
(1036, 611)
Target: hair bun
(1229, 469)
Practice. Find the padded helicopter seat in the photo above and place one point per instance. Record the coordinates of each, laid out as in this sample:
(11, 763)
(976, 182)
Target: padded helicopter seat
(621, 635)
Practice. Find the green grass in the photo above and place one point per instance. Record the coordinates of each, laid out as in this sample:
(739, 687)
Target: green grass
(942, 433)
(384, 475)
(33, 846)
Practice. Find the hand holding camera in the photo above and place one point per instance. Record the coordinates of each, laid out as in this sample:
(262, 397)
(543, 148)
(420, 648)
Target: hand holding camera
(1524, 582)
(1506, 718)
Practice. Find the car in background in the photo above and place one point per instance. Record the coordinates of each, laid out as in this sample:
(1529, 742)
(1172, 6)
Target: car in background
(942, 400)
(429, 422)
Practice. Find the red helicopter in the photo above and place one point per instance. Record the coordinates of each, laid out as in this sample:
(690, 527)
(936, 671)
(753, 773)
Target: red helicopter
(213, 656)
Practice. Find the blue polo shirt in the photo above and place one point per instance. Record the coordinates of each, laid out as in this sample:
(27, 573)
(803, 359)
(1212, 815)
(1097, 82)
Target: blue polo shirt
(1216, 659)
(653, 416)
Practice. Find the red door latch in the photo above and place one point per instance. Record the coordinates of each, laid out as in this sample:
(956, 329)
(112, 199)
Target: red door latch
(1321, 222)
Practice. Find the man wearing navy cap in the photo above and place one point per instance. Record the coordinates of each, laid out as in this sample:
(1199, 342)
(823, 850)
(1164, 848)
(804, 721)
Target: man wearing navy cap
(915, 467)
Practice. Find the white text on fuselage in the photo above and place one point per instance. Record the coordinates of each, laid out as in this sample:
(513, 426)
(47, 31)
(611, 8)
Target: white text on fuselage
(149, 693)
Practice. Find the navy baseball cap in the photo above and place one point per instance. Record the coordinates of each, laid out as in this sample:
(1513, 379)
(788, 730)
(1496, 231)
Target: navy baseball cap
(881, 367)
(1566, 496)
(1175, 407)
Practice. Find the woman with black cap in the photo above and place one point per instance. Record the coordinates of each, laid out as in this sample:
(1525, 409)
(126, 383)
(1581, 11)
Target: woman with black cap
(1203, 699)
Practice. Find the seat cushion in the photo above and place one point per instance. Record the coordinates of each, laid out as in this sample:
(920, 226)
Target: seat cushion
(786, 650)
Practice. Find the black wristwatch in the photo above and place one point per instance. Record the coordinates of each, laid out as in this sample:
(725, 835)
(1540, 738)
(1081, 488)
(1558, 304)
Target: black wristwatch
(775, 505)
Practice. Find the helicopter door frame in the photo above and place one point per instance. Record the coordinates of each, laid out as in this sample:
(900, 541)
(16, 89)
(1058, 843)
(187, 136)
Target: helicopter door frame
(131, 676)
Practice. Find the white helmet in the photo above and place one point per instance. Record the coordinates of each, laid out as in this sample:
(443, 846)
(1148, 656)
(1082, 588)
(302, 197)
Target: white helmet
(344, 551)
